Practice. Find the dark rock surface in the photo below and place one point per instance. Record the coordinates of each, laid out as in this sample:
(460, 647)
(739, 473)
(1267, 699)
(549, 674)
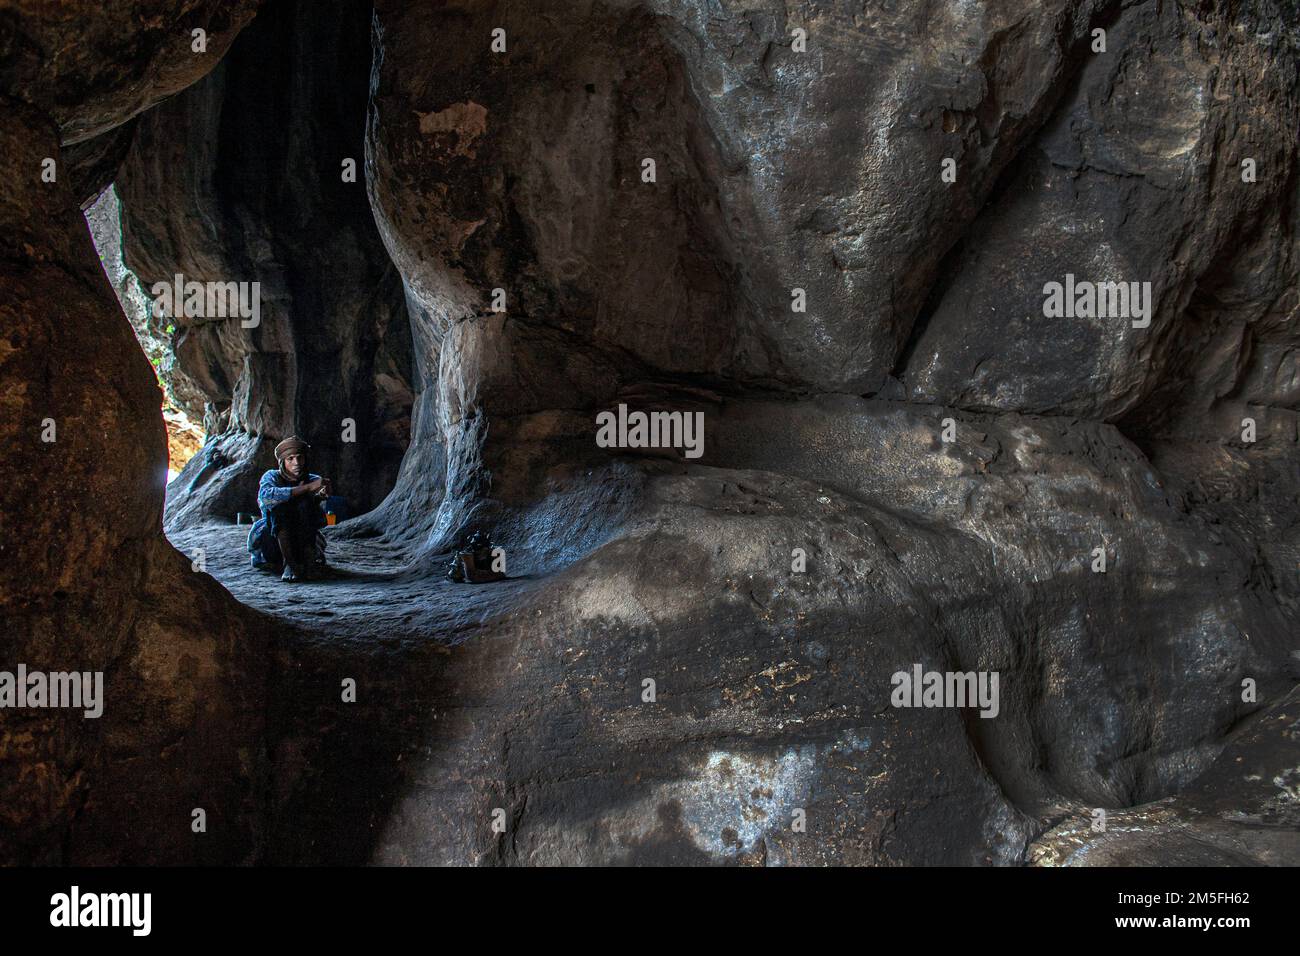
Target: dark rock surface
(524, 700)
(1137, 173)
(240, 178)
(91, 67)
(790, 717)
(1244, 811)
(88, 583)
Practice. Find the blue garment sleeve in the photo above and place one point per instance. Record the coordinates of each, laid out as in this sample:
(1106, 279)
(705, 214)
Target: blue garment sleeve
(269, 494)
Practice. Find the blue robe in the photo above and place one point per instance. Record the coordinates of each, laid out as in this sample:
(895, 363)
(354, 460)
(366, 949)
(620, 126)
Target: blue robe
(278, 506)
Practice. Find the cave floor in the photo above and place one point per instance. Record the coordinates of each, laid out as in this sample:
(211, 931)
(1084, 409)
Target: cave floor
(337, 769)
(368, 595)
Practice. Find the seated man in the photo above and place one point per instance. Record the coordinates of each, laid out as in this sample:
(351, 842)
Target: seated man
(290, 500)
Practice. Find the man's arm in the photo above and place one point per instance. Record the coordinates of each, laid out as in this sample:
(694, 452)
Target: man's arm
(269, 494)
(306, 488)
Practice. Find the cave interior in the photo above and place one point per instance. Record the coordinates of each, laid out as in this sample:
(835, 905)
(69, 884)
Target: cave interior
(472, 228)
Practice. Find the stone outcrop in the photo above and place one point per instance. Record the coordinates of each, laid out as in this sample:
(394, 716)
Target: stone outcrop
(91, 68)
(1241, 812)
(921, 467)
(87, 581)
(286, 107)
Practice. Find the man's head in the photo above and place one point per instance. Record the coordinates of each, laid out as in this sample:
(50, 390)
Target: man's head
(291, 454)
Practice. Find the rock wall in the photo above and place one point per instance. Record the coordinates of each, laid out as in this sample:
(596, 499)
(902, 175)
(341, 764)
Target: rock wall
(92, 67)
(920, 468)
(87, 581)
(241, 178)
(775, 171)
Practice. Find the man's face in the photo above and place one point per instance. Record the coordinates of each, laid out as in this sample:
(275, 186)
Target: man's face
(295, 465)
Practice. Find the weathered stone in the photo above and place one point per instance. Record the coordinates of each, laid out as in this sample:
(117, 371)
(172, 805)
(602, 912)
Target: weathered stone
(219, 187)
(1138, 176)
(92, 67)
(1244, 811)
(946, 461)
(87, 581)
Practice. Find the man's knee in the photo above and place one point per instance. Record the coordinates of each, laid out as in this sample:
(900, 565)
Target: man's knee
(262, 546)
(296, 538)
(296, 511)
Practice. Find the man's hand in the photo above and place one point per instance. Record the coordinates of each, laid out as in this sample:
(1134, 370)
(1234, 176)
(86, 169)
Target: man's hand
(323, 487)
(312, 487)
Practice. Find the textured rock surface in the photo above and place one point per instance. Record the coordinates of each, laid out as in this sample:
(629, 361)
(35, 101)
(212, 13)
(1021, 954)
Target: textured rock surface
(779, 698)
(240, 178)
(1242, 812)
(774, 171)
(92, 67)
(1138, 173)
(87, 581)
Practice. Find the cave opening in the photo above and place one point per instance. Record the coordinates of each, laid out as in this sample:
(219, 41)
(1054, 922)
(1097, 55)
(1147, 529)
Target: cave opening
(253, 179)
(687, 651)
(182, 412)
(256, 177)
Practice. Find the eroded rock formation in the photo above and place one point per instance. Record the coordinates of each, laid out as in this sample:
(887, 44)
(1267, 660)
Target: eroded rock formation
(241, 177)
(948, 460)
(87, 581)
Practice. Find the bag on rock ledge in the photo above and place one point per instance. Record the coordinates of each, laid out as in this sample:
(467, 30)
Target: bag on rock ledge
(472, 562)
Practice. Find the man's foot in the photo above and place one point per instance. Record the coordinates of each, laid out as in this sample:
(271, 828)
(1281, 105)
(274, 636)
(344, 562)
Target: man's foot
(290, 574)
